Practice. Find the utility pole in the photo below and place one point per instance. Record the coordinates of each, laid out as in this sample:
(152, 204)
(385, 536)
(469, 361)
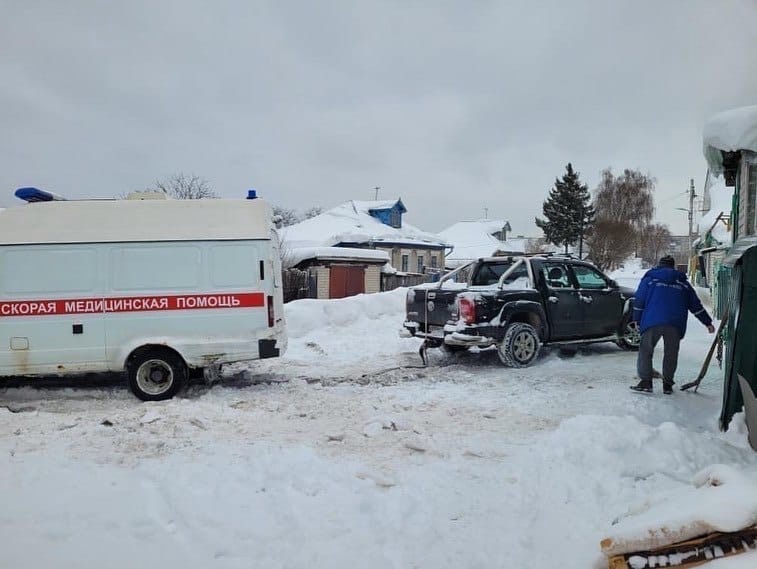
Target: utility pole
(486, 213)
(692, 195)
(377, 188)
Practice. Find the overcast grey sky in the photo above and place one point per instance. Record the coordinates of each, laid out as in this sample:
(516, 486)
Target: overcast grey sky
(454, 106)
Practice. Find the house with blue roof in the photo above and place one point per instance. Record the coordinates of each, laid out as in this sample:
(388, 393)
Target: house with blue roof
(359, 225)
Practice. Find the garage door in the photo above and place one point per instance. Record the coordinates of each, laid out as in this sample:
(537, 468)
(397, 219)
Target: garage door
(346, 281)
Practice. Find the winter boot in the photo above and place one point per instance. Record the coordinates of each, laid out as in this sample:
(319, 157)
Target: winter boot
(644, 386)
(667, 386)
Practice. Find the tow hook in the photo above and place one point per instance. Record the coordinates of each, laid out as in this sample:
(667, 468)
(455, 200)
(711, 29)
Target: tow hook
(422, 352)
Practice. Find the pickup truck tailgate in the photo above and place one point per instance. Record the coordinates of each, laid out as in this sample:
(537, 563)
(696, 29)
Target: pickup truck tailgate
(430, 307)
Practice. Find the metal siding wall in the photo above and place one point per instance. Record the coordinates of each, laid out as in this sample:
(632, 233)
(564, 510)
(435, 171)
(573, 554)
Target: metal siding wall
(722, 291)
(741, 192)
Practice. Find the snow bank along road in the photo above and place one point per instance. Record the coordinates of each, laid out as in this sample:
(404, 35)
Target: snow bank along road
(330, 458)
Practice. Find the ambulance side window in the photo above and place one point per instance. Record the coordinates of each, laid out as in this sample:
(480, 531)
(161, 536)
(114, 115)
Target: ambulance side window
(234, 265)
(156, 267)
(40, 268)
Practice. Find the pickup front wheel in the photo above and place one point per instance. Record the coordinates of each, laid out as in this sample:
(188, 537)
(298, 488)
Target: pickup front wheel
(520, 346)
(629, 337)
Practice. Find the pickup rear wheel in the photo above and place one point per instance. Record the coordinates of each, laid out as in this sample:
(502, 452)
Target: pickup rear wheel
(520, 345)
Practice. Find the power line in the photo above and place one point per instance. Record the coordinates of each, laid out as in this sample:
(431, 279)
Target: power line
(671, 198)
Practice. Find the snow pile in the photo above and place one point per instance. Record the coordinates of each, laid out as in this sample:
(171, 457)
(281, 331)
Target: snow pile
(729, 131)
(363, 328)
(231, 509)
(721, 499)
(308, 315)
(590, 468)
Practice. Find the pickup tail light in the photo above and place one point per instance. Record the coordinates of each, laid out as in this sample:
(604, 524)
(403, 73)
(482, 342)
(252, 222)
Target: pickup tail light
(270, 312)
(467, 310)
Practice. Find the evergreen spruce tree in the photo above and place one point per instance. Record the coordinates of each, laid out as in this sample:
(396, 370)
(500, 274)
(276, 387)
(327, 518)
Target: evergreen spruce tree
(567, 211)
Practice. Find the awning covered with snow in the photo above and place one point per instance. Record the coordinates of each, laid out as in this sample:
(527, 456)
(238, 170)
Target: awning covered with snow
(729, 131)
(297, 255)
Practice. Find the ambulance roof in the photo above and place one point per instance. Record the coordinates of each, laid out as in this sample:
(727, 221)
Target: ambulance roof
(109, 221)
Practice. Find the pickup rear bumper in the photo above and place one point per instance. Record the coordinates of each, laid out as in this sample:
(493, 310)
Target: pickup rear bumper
(434, 336)
(468, 340)
(449, 334)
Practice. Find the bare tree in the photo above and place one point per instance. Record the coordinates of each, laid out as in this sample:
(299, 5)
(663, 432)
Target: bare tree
(624, 207)
(183, 187)
(537, 245)
(285, 216)
(655, 242)
(611, 243)
(313, 212)
(626, 197)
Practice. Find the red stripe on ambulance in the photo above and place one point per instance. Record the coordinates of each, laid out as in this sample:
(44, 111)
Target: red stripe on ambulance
(131, 304)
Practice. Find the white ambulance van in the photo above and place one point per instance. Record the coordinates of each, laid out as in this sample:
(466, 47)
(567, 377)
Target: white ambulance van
(155, 288)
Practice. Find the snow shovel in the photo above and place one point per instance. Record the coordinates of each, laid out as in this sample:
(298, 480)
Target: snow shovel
(706, 364)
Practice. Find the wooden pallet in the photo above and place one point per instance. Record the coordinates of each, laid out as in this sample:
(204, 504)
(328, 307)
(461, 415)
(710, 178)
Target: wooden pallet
(690, 553)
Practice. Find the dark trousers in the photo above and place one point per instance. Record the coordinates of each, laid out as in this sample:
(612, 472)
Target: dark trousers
(671, 338)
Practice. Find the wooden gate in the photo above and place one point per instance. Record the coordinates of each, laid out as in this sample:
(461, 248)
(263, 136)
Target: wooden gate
(345, 280)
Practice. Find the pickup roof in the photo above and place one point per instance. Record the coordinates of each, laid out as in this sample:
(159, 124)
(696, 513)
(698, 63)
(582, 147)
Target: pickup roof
(518, 304)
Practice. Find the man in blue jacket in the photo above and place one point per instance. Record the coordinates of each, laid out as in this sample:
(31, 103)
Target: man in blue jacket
(661, 306)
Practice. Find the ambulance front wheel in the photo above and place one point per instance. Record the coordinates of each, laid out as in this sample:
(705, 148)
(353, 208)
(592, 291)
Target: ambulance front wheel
(155, 374)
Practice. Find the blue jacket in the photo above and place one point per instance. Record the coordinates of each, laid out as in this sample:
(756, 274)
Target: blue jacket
(664, 298)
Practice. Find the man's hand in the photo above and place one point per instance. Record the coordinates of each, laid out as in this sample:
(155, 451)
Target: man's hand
(711, 329)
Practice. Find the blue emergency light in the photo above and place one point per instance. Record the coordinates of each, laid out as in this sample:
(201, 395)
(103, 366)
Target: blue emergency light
(36, 195)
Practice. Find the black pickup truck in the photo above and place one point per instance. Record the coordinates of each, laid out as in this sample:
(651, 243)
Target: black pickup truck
(519, 304)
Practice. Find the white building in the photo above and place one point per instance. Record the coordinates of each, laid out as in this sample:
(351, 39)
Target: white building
(482, 238)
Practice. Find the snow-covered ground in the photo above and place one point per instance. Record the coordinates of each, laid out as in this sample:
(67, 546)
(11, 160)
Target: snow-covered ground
(346, 453)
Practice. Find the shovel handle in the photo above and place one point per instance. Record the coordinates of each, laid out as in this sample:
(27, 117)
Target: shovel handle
(708, 359)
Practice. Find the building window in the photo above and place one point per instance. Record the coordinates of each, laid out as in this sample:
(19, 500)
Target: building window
(405, 262)
(433, 261)
(751, 198)
(420, 263)
(395, 218)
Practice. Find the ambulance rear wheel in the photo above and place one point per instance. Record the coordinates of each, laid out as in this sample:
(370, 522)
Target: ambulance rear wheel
(155, 374)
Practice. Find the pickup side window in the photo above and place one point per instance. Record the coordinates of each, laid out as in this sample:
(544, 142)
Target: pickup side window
(556, 276)
(589, 278)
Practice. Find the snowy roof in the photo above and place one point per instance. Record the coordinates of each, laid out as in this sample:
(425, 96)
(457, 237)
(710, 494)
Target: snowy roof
(720, 202)
(378, 204)
(295, 256)
(350, 222)
(474, 239)
(729, 131)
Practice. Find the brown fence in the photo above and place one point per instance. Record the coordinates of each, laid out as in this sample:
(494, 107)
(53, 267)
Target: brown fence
(297, 284)
(390, 282)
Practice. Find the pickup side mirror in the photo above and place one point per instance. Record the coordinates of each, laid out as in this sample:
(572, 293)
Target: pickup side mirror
(614, 284)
